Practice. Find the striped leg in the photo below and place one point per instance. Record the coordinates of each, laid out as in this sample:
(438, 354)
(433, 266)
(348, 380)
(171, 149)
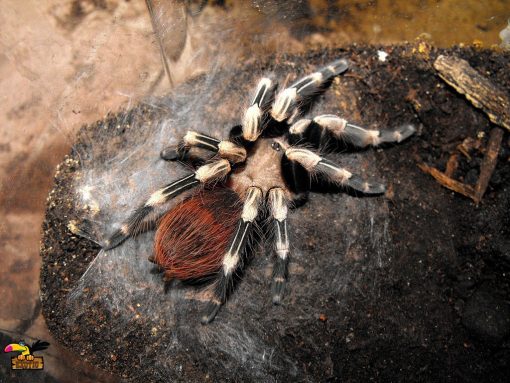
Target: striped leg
(226, 149)
(315, 131)
(232, 259)
(141, 216)
(288, 100)
(314, 163)
(278, 209)
(252, 122)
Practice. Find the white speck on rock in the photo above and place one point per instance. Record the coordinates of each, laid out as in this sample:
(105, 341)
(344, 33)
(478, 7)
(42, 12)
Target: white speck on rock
(382, 55)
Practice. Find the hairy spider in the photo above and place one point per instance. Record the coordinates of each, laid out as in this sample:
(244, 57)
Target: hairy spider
(258, 172)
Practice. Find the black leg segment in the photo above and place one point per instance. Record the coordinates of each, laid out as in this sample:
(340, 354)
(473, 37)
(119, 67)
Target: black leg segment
(314, 163)
(141, 216)
(290, 99)
(278, 210)
(326, 127)
(232, 259)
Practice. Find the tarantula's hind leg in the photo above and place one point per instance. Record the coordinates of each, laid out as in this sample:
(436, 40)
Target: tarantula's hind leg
(319, 130)
(314, 163)
(232, 260)
(204, 174)
(278, 211)
(287, 101)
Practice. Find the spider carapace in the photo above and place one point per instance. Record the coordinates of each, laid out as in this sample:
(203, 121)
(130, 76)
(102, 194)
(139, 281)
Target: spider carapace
(259, 171)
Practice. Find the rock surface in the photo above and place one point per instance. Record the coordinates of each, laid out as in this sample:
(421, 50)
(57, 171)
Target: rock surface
(487, 316)
(376, 284)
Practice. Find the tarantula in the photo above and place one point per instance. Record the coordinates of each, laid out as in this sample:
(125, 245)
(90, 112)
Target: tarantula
(260, 170)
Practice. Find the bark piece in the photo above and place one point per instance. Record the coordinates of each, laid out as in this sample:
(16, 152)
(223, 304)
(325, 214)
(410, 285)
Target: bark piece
(478, 89)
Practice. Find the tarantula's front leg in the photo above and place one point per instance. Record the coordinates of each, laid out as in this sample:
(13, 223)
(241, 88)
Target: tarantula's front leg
(225, 149)
(314, 163)
(253, 117)
(287, 101)
(232, 258)
(191, 139)
(140, 219)
(278, 211)
(313, 131)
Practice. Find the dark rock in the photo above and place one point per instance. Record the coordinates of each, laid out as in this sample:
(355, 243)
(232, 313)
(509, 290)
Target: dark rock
(376, 268)
(487, 316)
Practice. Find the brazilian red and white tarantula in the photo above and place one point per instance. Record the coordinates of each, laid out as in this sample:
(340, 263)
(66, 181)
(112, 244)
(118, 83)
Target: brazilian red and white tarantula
(257, 173)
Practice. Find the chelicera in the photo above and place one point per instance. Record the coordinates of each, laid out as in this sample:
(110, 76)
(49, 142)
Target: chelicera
(258, 172)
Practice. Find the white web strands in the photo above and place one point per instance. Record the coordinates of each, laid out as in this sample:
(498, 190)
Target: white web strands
(122, 280)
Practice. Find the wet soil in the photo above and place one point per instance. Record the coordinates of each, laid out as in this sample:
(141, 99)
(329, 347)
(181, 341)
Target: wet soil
(435, 309)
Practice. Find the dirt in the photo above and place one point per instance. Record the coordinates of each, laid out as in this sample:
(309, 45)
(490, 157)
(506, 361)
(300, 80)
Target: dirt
(427, 301)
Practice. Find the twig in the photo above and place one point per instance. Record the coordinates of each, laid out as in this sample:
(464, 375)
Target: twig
(448, 182)
(486, 169)
(489, 162)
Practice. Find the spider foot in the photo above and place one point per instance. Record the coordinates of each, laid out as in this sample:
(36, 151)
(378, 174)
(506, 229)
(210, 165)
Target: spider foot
(170, 154)
(398, 134)
(210, 312)
(335, 68)
(362, 185)
(277, 290)
(281, 266)
(115, 240)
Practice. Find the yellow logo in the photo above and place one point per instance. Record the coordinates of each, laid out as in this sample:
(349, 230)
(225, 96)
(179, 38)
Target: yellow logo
(25, 360)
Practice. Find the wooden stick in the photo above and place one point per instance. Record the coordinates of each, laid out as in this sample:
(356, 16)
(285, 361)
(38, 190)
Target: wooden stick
(479, 90)
(486, 169)
(448, 182)
(452, 164)
(489, 162)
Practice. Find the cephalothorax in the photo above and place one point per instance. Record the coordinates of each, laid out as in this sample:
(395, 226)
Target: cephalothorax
(259, 171)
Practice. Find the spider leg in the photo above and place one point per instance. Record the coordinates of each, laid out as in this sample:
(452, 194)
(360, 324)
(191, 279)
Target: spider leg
(204, 174)
(253, 117)
(314, 131)
(226, 149)
(190, 139)
(278, 211)
(287, 102)
(232, 258)
(314, 163)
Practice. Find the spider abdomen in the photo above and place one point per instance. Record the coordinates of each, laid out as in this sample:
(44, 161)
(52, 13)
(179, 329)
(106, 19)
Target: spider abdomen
(192, 238)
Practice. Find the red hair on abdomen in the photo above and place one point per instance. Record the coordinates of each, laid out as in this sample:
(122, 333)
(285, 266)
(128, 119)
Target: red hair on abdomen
(192, 238)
